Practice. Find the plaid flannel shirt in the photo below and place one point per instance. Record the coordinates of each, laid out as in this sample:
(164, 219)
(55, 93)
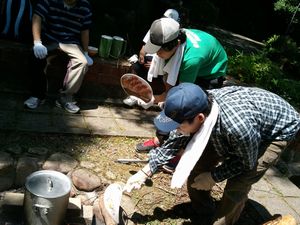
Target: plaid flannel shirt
(161, 155)
(247, 118)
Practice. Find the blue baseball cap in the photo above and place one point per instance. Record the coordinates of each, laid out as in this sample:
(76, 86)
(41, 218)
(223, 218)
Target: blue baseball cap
(183, 102)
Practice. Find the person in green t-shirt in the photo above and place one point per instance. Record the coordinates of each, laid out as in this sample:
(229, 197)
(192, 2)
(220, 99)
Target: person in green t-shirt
(203, 57)
(182, 55)
(185, 55)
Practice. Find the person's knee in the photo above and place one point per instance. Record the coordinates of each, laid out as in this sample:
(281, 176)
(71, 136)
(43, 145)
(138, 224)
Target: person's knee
(81, 63)
(237, 190)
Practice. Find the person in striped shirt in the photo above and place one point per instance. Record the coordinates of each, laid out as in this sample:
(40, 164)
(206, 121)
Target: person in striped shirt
(60, 25)
(237, 134)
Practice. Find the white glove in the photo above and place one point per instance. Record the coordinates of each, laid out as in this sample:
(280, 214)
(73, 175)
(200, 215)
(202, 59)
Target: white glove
(135, 181)
(40, 51)
(133, 59)
(145, 105)
(161, 105)
(203, 181)
(88, 59)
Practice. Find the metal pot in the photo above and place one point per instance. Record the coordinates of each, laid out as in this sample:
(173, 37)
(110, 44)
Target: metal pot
(46, 197)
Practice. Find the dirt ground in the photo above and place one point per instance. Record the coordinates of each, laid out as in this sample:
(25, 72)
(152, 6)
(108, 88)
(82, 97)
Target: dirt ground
(156, 202)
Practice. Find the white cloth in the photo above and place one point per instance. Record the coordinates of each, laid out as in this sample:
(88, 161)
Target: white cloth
(156, 67)
(147, 37)
(173, 66)
(194, 149)
(159, 67)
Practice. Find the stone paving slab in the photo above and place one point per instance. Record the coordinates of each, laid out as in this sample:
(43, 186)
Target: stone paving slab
(276, 194)
(96, 118)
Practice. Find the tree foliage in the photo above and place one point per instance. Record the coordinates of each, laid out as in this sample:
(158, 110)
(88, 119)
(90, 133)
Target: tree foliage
(289, 7)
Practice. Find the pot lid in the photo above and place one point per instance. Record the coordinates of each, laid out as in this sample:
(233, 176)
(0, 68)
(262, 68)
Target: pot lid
(48, 184)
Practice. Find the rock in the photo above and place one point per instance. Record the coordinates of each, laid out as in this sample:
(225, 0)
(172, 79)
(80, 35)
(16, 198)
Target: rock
(88, 198)
(73, 191)
(85, 180)
(25, 166)
(129, 207)
(14, 149)
(87, 165)
(38, 151)
(60, 162)
(7, 171)
(294, 168)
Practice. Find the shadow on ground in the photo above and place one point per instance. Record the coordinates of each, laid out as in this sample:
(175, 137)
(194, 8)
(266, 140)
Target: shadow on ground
(185, 211)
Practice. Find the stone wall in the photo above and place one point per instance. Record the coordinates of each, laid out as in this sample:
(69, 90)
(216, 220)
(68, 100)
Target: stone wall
(101, 81)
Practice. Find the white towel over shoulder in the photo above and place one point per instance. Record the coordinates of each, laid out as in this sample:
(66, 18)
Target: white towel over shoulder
(159, 67)
(194, 149)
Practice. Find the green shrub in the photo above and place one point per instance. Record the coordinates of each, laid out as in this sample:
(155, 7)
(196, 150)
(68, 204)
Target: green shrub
(284, 51)
(254, 69)
(259, 70)
(289, 90)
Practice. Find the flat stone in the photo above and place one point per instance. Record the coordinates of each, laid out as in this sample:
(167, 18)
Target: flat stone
(30, 121)
(271, 196)
(87, 214)
(60, 162)
(85, 180)
(25, 166)
(96, 110)
(282, 184)
(74, 209)
(294, 168)
(7, 171)
(102, 126)
(14, 149)
(74, 204)
(13, 199)
(71, 120)
(41, 151)
(87, 164)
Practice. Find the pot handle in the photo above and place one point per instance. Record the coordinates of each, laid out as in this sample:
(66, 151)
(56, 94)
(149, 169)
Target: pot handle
(45, 209)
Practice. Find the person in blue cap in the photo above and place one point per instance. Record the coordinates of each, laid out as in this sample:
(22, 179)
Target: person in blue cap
(236, 134)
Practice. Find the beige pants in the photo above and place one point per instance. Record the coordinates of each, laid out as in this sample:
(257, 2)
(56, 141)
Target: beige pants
(76, 70)
(237, 188)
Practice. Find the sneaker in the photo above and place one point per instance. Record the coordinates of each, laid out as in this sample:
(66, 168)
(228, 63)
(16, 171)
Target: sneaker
(130, 101)
(69, 106)
(33, 102)
(170, 167)
(147, 145)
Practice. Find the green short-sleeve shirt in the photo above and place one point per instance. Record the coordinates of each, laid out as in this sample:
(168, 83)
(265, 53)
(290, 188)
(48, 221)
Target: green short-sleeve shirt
(203, 57)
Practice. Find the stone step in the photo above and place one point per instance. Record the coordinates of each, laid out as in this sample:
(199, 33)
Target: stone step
(11, 204)
(101, 81)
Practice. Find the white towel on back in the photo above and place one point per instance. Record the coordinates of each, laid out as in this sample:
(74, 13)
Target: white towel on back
(194, 149)
(159, 67)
